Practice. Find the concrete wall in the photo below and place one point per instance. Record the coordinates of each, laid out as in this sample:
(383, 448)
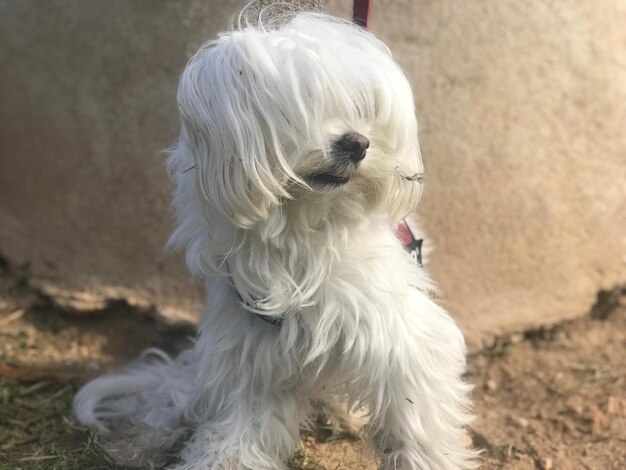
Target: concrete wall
(523, 114)
(88, 93)
(522, 110)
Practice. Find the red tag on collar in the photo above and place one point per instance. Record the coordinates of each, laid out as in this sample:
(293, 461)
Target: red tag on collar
(404, 234)
(411, 245)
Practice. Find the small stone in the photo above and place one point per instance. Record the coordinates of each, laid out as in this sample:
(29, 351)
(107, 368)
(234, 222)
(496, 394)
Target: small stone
(517, 338)
(546, 464)
(612, 405)
(492, 385)
(521, 422)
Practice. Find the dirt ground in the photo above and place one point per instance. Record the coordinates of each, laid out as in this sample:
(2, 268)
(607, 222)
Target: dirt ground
(552, 398)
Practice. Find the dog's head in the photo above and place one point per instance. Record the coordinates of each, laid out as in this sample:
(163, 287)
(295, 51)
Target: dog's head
(313, 112)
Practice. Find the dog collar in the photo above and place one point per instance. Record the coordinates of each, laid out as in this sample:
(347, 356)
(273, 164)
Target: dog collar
(403, 232)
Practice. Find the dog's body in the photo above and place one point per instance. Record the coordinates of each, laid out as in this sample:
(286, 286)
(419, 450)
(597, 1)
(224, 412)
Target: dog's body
(297, 156)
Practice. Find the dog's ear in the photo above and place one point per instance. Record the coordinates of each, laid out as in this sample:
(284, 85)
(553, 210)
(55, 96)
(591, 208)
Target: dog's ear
(232, 143)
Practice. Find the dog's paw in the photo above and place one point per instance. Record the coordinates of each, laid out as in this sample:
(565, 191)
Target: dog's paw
(335, 413)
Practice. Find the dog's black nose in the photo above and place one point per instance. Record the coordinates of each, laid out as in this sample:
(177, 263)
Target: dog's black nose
(354, 144)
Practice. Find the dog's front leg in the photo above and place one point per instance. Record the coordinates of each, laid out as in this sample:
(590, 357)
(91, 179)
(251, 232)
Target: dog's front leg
(254, 431)
(420, 406)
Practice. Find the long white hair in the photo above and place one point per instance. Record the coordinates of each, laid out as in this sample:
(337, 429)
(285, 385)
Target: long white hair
(259, 109)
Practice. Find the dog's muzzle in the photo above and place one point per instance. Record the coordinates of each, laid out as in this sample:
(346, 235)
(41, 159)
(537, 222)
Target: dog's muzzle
(347, 152)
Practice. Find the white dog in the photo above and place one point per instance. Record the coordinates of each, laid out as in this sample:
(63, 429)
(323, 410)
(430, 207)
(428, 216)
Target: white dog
(297, 157)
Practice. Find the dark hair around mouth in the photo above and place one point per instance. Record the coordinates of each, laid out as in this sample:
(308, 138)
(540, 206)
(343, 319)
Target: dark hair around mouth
(327, 179)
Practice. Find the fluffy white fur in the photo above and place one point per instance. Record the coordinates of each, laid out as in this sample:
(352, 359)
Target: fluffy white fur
(260, 109)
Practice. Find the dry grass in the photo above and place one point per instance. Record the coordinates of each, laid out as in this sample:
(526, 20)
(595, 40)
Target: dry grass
(36, 432)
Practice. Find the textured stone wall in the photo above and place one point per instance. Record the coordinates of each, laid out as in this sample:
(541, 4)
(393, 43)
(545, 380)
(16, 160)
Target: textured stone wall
(522, 108)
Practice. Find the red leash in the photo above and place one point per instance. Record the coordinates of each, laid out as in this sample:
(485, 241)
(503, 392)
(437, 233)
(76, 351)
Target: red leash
(361, 12)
